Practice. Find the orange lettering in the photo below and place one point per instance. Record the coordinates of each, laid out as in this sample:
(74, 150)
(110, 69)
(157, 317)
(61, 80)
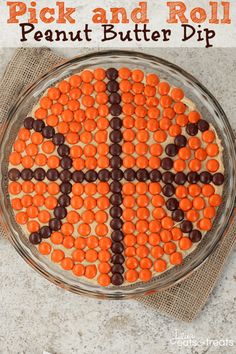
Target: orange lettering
(65, 13)
(226, 6)
(43, 15)
(100, 15)
(15, 9)
(177, 8)
(32, 12)
(139, 15)
(198, 15)
(115, 12)
(214, 8)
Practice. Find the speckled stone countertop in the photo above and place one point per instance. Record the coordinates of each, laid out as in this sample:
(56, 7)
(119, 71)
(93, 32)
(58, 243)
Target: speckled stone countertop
(36, 316)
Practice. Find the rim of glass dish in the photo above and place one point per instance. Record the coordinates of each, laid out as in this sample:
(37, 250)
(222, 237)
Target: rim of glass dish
(144, 288)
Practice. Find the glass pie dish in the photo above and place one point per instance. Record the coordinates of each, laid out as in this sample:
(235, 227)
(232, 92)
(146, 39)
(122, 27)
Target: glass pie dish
(207, 106)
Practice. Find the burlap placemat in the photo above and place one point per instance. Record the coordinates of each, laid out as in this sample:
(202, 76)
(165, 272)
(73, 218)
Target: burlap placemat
(182, 301)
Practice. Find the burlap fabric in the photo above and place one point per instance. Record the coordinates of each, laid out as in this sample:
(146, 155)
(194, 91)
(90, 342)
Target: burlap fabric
(182, 301)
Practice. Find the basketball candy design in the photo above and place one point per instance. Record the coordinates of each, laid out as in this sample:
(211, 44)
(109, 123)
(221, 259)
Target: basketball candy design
(115, 175)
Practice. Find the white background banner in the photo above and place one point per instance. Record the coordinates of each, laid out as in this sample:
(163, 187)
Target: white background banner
(151, 23)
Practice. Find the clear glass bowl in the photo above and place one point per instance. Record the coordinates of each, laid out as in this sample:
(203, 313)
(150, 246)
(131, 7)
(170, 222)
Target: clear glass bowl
(210, 110)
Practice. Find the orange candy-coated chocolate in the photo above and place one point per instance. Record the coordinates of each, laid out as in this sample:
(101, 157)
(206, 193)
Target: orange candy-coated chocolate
(65, 183)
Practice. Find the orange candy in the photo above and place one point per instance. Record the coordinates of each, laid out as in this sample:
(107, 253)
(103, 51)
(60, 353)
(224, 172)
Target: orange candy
(152, 79)
(67, 229)
(184, 153)
(212, 165)
(182, 120)
(179, 107)
(179, 165)
(177, 94)
(124, 73)
(192, 215)
(56, 238)
(104, 267)
(167, 223)
(157, 252)
(128, 147)
(185, 243)
(40, 113)
(200, 154)
(90, 271)
(84, 229)
(21, 218)
(208, 190)
(163, 88)
(19, 145)
(68, 241)
(154, 239)
(198, 203)
(44, 248)
(176, 258)
(128, 189)
(80, 243)
(91, 255)
(145, 275)
(145, 263)
(176, 233)
(72, 217)
(137, 75)
(129, 240)
(185, 204)
(104, 280)
(78, 108)
(28, 186)
(194, 143)
(194, 190)
(27, 200)
(215, 200)
(14, 188)
(212, 150)
(50, 202)
(169, 247)
(131, 275)
(67, 263)
(57, 256)
(101, 230)
(166, 235)
(53, 188)
(44, 216)
(208, 136)
(102, 203)
(194, 165)
(16, 204)
(131, 263)
(32, 211)
(174, 130)
(143, 213)
(205, 224)
(104, 256)
(194, 117)
(209, 212)
(75, 80)
(160, 265)
(53, 93)
(104, 243)
(142, 251)
(158, 201)
(15, 158)
(78, 270)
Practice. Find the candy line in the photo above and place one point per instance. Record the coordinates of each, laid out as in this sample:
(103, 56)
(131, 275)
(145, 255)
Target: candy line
(116, 198)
